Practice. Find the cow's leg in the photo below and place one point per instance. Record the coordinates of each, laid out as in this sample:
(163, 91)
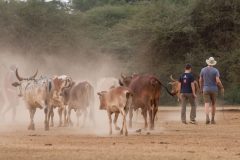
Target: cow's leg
(51, 117)
(78, 114)
(85, 113)
(144, 113)
(32, 111)
(65, 116)
(49, 113)
(150, 112)
(124, 125)
(115, 121)
(60, 111)
(155, 110)
(130, 116)
(110, 122)
(46, 125)
(69, 117)
(154, 113)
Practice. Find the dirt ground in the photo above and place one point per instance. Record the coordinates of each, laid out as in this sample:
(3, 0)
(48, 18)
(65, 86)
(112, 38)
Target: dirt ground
(170, 140)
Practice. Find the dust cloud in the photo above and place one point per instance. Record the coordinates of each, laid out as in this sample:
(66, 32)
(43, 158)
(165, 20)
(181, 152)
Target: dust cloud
(80, 66)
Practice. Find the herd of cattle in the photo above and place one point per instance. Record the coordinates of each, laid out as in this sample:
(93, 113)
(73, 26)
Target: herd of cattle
(121, 96)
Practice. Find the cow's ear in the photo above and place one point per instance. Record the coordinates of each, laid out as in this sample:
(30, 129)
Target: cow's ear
(120, 82)
(15, 84)
(99, 93)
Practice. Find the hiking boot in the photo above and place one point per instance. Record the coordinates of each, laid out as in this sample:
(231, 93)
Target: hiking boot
(193, 121)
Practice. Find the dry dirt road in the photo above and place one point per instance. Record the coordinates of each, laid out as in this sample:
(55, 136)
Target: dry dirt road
(170, 140)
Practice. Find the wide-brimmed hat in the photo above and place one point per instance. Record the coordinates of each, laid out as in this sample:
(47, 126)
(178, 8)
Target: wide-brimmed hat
(211, 61)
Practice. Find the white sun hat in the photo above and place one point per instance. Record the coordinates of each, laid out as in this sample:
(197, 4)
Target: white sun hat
(211, 61)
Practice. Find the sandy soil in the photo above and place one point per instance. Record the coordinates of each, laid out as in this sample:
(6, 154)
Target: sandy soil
(170, 140)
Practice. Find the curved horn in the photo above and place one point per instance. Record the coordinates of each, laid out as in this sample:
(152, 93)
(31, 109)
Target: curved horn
(18, 77)
(34, 76)
(123, 76)
(171, 77)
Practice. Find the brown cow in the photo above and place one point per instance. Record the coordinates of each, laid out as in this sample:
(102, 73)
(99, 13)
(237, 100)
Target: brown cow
(79, 97)
(55, 99)
(116, 100)
(175, 87)
(146, 93)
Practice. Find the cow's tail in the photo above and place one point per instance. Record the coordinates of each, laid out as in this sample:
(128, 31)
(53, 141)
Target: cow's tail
(168, 90)
(156, 83)
(129, 97)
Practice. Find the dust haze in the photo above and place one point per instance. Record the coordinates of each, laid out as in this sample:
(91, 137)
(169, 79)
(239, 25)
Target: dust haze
(80, 66)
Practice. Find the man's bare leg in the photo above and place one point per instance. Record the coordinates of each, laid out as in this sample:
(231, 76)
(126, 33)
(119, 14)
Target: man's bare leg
(207, 113)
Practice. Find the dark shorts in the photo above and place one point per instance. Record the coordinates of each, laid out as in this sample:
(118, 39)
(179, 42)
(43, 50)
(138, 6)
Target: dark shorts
(209, 97)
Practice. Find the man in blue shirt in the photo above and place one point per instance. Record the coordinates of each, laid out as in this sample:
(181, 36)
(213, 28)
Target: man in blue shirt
(187, 91)
(209, 83)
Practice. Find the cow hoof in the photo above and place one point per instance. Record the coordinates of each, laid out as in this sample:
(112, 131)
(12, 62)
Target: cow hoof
(82, 126)
(51, 125)
(152, 128)
(117, 128)
(46, 128)
(121, 132)
(31, 127)
(110, 133)
(126, 133)
(60, 124)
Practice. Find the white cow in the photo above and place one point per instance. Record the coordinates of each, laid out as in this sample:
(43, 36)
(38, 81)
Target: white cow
(39, 93)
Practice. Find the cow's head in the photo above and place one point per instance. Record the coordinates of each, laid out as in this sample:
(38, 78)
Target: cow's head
(60, 83)
(174, 84)
(103, 99)
(21, 80)
(126, 80)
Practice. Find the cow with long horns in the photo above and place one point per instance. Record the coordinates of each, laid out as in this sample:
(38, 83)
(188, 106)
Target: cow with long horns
(146, 90)
(39, 93)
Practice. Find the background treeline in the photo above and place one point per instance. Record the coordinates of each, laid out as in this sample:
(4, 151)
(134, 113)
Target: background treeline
(146, 36)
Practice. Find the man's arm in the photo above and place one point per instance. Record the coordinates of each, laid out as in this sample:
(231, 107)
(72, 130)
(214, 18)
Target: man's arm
(220, 85)
(201, 84)
(193, 89)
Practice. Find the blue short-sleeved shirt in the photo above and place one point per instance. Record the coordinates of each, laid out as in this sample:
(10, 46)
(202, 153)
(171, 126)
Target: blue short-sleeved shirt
(209, 75)
(186, 79)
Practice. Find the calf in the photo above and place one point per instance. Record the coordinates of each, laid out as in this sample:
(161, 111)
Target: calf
(116, 100)
(79, 97)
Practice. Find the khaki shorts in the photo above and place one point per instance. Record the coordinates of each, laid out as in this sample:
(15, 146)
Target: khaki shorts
(209, 97)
